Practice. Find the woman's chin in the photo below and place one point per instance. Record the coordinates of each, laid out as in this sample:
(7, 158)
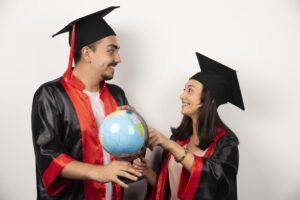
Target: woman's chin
(184, 113)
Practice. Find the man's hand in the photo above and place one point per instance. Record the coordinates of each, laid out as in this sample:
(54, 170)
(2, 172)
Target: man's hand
(126, 107)
(111, 171)
(101, 173)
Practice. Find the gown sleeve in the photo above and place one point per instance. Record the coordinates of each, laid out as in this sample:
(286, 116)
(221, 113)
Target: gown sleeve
(50, 153)
(214, 177)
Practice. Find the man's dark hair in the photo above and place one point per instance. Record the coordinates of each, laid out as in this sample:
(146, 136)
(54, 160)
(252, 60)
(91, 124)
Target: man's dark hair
(208, 122)
(77, 53)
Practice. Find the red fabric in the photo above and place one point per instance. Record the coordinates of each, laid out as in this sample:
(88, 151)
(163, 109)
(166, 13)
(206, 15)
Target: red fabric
(162, 181)
(53, 171)
(69, 70)
(188, 181)
(91, 146)
(159, 189)
(187, 186)
(109, 102)
(211, 148)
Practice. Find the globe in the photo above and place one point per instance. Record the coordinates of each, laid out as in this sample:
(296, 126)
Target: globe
(124, 134)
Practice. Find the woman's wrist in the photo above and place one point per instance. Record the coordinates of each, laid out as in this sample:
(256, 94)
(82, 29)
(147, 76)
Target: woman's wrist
(148, 173)
(169, 145)
(150, 176)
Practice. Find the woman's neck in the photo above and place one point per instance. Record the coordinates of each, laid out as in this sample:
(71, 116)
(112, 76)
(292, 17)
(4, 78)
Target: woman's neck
(194, 138)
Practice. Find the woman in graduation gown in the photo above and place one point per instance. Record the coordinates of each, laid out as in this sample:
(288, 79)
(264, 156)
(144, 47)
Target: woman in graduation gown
(200, 160)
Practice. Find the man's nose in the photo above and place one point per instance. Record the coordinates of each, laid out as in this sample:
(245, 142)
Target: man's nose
(117, 58)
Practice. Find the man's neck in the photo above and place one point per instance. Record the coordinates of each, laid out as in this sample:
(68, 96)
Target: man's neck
(90, 80)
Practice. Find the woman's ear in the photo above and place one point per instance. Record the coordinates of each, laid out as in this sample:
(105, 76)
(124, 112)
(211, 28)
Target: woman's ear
(213, 101)
(200, 105)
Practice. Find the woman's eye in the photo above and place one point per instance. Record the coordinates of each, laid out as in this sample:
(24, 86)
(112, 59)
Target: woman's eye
(190, 90)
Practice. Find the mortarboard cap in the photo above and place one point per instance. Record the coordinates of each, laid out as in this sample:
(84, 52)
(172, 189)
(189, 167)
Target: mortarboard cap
(89, 29)
(221, 81)
(86, 30)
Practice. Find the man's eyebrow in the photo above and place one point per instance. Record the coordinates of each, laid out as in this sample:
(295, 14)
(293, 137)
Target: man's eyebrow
(114, 46)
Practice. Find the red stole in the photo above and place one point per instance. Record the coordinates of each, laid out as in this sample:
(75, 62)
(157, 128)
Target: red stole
(91, 146)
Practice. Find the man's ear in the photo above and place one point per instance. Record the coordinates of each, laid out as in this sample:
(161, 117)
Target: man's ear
(85, 54)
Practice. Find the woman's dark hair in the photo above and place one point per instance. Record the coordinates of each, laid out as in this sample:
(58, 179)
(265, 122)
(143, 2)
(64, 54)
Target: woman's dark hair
(208, 122)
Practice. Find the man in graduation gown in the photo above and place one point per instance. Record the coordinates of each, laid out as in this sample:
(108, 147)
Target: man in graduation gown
(67, 113)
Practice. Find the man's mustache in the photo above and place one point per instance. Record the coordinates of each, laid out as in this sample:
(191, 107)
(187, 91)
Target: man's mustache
(113, 64)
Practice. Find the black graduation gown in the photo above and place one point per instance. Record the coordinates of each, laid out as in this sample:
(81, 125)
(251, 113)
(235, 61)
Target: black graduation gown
(59, 136)
(213, 177)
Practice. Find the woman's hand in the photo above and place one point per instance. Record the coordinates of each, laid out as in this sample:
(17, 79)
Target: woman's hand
(143, 165)
(158, 139)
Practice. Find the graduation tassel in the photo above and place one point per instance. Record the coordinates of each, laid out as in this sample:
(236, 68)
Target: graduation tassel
(69, 70)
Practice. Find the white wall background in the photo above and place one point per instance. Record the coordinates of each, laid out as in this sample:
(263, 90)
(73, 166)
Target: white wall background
(260, 39)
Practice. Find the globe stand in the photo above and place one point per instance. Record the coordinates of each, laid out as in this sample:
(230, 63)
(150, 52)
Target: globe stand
(127, 181)
(130, 159)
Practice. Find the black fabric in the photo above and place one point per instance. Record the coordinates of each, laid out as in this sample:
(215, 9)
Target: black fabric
(56, 130)
(218, 177)
(220, 80)
(89, 29)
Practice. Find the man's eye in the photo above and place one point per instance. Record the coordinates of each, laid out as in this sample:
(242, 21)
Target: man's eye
(190, 90)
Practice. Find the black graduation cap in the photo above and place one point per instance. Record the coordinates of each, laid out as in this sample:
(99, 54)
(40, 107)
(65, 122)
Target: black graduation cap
(221, 81)
(86, 30)
(89, 29)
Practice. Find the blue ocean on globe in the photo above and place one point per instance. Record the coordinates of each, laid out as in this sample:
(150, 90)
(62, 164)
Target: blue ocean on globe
(122, 133)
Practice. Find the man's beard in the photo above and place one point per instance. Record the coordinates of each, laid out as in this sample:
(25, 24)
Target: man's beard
(109, 77)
